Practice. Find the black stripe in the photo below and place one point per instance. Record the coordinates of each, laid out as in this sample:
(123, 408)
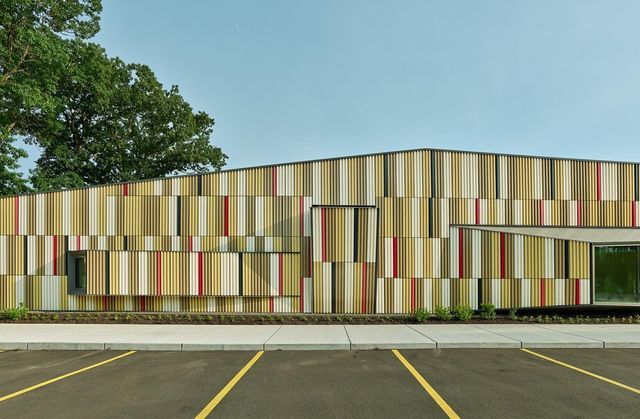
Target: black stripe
(385, 174)
(430, 235)
(125, 243)
(26, 255)
(107, 275)
(552, 167)
(497, 178)
(480, 292)
(566, 259)
(240, 273)
(178, 210)
(199, 185)
(355, 235)
(333, 287)
(433, 174)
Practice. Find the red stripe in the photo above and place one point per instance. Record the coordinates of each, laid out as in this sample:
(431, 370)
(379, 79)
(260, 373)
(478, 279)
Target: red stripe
(413, 294)
(579, 211)
(280, 274)
(16, 214)
(77, 242)
(323, 222)
(226, 216)
(502, 256)
(599, 180)
(460, 254)
(271, 304)
(541, 211)
(159, 273)
(301, 294)
(364, 287)
(395, 257)
(55, 255)
(543, 296)
(477, 211)
(577, 291)
(301, 216)
(274, 180)
(633, 214)
(143, 303)
(200, 277)
(105, 303)
(125, 189)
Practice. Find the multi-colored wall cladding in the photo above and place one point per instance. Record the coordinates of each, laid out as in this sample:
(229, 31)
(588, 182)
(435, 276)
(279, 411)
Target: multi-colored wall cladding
(383, 233)
(344, 256)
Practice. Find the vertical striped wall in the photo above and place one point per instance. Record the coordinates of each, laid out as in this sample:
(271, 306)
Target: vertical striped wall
(359, 234)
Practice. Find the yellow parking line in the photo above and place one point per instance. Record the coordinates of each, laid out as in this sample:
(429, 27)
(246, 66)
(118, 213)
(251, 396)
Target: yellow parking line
(430, 390)
(62, 377)
(590, 374)
(214, 402)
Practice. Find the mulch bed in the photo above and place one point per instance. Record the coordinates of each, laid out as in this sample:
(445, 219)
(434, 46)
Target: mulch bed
(262, 318)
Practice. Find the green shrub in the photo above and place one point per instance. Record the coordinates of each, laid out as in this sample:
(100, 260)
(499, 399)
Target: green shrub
(17, 313)
(443, 313)
(421, 315)
(513, 314)
(487, 311)
(463, 312)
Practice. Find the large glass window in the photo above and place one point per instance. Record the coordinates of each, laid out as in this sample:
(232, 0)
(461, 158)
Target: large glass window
(81, 272)
(617, 274)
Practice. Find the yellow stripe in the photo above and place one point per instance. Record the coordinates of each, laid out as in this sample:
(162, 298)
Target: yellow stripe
(590, 374)
(216, 400)
(62, 377)
(432, 392)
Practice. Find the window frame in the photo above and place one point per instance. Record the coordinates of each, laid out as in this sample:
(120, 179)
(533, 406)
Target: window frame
(72, 257)
(593, 274)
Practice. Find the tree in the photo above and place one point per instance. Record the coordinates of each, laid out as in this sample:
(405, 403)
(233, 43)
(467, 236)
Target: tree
(118, 124)
(96, 119)
(32, 60)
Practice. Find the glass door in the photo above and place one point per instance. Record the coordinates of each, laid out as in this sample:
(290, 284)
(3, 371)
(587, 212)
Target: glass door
(617, 274)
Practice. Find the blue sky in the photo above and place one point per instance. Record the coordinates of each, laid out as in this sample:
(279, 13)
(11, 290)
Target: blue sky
(298, 80)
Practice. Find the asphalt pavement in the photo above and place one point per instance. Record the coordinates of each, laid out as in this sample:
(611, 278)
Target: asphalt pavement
(497, 383)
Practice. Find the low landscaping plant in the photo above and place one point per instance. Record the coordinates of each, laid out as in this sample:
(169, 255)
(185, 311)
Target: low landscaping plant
(421, 315)
(513, 314)
(487, 311)
(17, 313)
(463, 312)
(443, 313)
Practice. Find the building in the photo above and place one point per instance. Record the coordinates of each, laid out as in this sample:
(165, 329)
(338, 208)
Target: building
(383, 233)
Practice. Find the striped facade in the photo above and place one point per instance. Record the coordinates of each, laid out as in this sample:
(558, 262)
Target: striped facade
(385, 233)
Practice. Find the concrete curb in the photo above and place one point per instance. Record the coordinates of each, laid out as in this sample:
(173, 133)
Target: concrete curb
(307, 347)
(173, 347)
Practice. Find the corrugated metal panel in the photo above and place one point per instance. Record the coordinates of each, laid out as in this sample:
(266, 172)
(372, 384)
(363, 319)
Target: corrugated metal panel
(419, 194)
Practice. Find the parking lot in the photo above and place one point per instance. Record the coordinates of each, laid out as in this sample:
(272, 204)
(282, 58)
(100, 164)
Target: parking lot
(408, 383)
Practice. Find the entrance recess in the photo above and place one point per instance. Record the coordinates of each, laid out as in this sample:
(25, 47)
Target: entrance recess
(617, 274)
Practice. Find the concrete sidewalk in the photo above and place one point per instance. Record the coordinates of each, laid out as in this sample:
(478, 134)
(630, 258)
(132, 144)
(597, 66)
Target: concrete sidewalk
(313, 337)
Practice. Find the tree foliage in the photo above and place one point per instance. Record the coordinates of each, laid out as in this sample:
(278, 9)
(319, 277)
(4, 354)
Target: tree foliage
(32, 58)
(95, 118)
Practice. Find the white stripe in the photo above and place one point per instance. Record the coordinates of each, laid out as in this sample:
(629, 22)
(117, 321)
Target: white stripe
(370, 179)
(417, 175)
(142, 274)
(399, 175)
(259, 203)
